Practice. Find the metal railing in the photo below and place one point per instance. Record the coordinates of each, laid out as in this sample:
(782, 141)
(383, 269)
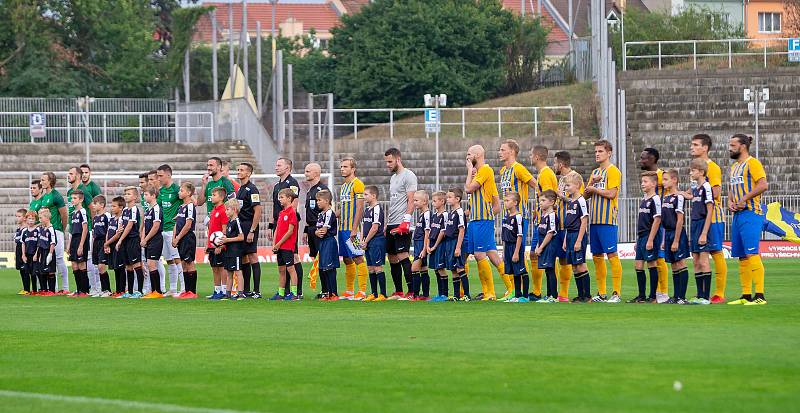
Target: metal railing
(459, 120)
(22, 104)
(688, 49)
(106, 127)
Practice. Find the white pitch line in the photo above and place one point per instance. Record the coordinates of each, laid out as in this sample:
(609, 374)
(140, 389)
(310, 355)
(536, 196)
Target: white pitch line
(162, 407)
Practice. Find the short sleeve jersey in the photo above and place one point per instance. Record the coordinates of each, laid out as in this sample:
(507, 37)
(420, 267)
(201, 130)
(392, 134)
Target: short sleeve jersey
(290, 183)
(91, 190)
(100, 226)
(561, 210)
(47, 237)
(186, 212)
(701, 197)
(350, 193)
(423, 224)
(512, 228)
(287, 217)
(671, 206)
(437, 225)
(576, 210)
(233, 230)
(248, 197)
(53, 201)
(455, 220)
(30, 239)
(131, 214)
(373, 215)
(35, 205)
(113, 227)
(515, 179)
(170, 202)
(153, 217)
(400, 184)
(480, 203)
(76, 221)
(649, 210)
(604, 210)
(548, 224)
(744, 176)
(714, 175)
(660, 184)
(86, 203)
(312, 210)
(327, 219)
(222, 182)
(217, 221)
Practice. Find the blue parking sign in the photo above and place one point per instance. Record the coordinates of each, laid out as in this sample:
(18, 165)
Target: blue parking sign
(794, 50)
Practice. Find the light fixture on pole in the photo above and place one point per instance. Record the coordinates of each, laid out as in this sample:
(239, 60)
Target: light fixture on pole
(756, 105)
(83, 104)
(433, 122)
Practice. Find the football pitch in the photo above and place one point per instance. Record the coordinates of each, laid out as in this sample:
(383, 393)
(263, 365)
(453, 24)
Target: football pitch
(96, 355)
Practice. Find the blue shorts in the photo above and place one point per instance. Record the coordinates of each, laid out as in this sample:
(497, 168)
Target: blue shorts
(376, 252)
(346, 248)
(683, 246)
(436, 260)
(717, 235)
(328, 253)
(575, 257)
(746, 233)
(418, 246)
(603, 239)
(548, 257)
(644, 254)
(481, 236)
(697, 229)
(452, 262)
(558, 241)
(511, 267)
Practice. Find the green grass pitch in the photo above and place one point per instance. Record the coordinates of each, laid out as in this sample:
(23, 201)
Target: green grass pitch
(96, 355)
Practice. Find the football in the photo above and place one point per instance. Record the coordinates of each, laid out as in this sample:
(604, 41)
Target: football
(216, 238)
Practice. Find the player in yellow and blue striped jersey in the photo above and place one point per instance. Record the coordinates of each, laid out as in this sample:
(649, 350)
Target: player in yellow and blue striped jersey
(351, 210)
(484, 203)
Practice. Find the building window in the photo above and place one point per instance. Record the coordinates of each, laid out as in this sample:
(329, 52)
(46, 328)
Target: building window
(769, 22)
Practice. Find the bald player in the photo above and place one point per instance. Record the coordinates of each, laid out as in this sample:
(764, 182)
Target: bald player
(546, 181)
(484, 203)
(514, 177)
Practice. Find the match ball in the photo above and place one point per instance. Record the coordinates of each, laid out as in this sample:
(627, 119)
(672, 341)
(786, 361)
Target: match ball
(678, 386)
(216, 238)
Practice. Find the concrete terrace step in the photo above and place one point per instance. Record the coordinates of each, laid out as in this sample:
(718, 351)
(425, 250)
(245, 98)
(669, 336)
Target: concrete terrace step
(704, 105)
(714, 88)
(738, 112)
(712, 124)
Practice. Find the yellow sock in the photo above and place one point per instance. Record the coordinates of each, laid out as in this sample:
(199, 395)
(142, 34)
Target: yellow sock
(501, 269)
(757, 270)
(564, 276)
(363, 274)
(600, 273)
(485, 275)
(349, 277)
(507, 281)
(746, 276)
(528, 266)
(616, 274)
(536, 275)
(721, 273)
(663, 276)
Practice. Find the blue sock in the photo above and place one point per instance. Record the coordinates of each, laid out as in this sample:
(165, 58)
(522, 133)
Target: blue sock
(382, 282)
(373, 281)
(456, 286)
(464, 282)
(653, 282)
(641, 281)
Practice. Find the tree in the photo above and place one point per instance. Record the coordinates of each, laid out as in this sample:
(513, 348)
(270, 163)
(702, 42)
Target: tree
(394, 51)
(792, 24)
(524, 55)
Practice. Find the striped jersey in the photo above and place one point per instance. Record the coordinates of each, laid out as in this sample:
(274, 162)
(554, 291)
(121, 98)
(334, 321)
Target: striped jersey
(604, 210)
(515, 179)
(660, 186)
(714, 175)
(547, 180)
(480, 203)
(349, 194)
(561, 210)
(744, 176)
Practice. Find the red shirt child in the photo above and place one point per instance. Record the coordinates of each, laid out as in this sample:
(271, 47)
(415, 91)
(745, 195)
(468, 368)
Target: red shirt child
(286, 217)
(217, 222)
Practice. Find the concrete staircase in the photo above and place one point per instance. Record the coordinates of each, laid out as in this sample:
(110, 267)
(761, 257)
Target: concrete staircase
(665, 108)
(419, 155)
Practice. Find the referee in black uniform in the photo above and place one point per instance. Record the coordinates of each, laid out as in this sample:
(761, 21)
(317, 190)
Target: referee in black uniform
(283, 168)
(312, 172)
(249, 217)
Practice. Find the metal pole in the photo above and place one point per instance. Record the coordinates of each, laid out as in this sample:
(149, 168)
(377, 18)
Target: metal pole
(245, 55)
(290, 102)
(86, 138)
(330, 140)
(279, 101)
(186, 96)
(230, 44)
(522, 10)
(258, 69)
(214, 70)
(177, 124)
(272, 31)
(311, 127)
(757, 96)
(438, 123)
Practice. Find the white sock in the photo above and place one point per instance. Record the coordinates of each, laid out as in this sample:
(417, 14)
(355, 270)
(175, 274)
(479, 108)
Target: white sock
(146, 288)
(161, 273)
(62, 269)
(173, 277)
(217, 288)
(224, 288)
(180, 278)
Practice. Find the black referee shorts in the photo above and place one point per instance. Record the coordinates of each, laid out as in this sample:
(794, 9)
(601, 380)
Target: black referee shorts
(397, 243)
(313, 241)
(249, 247)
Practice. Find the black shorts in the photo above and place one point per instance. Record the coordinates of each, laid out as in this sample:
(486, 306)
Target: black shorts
(187, 247)
(18, 257)
(44, 267)
(284, 257)
(30, 266)
(249, 247)
(397, 243)
(215, 260)
(74, 242)
(154, 248)
(313, 241)
(233, 263)
(116, 259)
(131, 250)
(99, 255)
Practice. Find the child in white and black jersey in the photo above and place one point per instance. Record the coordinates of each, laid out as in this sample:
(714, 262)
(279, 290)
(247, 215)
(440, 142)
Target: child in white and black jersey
(420, 279)
(547, 248)
(648, 242)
